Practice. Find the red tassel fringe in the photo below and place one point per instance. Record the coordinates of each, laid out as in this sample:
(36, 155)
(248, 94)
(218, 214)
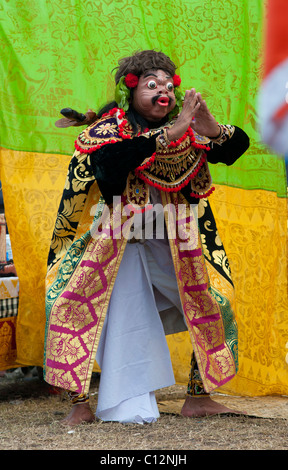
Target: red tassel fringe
(147, 164)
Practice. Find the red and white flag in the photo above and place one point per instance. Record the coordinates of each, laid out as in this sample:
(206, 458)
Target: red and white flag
(273, 93)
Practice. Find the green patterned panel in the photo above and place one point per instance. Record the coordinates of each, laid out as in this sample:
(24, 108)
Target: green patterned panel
(57, 54)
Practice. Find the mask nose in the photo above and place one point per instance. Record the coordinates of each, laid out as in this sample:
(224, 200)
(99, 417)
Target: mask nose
(162, 90)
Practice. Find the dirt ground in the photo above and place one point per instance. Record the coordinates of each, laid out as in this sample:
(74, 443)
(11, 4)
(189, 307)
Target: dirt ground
(30, 419)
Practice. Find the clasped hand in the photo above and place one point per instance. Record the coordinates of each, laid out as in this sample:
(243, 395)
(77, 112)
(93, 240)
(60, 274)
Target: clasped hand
(196, 114)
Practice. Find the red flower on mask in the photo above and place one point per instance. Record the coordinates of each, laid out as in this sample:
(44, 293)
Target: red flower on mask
(131, 80)
(176, 80)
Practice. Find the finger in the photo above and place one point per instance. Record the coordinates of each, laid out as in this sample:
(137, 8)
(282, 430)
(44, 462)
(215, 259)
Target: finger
(193, 95)
(187, 96)
(196, 108)
(190, 93)
(203, 102)
(190, 99)
(200, 99)
(193, 123)
(204, 105)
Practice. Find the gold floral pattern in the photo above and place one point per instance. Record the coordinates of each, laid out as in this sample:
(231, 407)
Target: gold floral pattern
(175, 167)
(208, 311)
(42, 75)
(196, 276)
(212, 245)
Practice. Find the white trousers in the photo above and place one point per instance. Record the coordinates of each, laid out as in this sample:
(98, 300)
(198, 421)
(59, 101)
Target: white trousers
(133, 352)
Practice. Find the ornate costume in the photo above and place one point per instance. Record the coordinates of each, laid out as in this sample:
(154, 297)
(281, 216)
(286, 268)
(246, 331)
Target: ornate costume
(111, 161)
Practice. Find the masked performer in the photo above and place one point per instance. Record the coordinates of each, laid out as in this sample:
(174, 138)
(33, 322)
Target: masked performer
(130, 260)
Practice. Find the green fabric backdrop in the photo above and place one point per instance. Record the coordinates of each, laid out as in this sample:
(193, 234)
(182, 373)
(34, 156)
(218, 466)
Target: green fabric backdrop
(57, 54)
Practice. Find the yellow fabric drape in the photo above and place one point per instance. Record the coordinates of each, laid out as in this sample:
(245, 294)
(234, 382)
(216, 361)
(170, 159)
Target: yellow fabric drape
(32, 187)
(253, 228)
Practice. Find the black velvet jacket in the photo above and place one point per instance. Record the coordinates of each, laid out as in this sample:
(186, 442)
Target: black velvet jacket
(112, 163)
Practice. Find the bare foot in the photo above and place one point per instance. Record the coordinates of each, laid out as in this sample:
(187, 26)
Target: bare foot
(204, 406)
(79, 414)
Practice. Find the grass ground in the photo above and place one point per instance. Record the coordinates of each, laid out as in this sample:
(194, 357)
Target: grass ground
(31, 420)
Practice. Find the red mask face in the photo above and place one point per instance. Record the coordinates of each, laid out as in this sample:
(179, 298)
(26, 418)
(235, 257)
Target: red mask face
(154, 97)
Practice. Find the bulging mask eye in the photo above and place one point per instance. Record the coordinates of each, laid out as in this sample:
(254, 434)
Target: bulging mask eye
(170, 86)
(152, 84)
